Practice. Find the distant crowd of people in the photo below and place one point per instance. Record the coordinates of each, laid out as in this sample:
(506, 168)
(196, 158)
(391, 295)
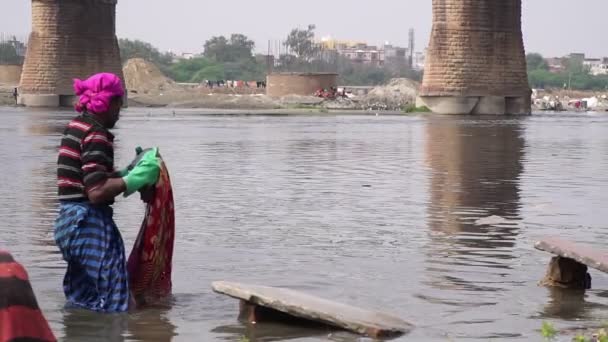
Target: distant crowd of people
(234, 84)
(331, 93)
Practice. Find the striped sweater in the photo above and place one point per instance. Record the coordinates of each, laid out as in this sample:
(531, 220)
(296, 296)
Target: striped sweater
(20, 318)
(86, 158)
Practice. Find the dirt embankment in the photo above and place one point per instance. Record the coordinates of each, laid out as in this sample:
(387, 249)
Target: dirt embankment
(149, 87)
(142, 77)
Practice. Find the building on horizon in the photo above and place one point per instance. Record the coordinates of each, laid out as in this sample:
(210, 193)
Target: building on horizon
(595, 66)
(555, 64)
(184, 56)
(419, 58)
(363, 53)
(355, 51)
(13, 49)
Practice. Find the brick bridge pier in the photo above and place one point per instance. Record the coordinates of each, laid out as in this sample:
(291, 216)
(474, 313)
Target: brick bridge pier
(69, 39)
(476, 62)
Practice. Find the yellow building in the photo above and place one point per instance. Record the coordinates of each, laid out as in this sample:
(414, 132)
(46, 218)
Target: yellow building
(335, 44)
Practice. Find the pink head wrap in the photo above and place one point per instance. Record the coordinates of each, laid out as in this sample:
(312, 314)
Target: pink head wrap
(97, 91)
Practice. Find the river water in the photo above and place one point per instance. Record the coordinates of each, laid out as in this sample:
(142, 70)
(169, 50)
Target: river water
(427, 217)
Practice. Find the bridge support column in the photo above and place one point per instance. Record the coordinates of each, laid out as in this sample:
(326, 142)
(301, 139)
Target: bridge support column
(476, 61)
(69, 39)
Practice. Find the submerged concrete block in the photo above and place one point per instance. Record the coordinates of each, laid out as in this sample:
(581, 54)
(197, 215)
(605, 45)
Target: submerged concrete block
(583, 254)
(566, 273)
(259, 303)
(569, 267)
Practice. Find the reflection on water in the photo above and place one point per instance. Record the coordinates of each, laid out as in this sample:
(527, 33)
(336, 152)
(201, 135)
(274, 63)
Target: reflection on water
(566, 303)
(429, 218)
(475, 167)
(148, 325)
(270, 332)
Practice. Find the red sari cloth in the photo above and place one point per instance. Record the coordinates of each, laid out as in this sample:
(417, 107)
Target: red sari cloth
(149, 264)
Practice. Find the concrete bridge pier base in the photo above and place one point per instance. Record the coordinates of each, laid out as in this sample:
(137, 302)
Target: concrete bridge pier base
(46, 100)
(38, 100)
(476, 105)
(53, 100)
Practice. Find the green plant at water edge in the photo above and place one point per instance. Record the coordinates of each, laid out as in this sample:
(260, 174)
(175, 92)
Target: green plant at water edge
(600, 336)
(548, 331)
(244, 339)
(413, 109)
(306, 106)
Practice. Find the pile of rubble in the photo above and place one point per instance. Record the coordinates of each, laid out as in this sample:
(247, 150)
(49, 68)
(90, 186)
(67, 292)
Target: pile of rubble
(572, 101)
(396, 95)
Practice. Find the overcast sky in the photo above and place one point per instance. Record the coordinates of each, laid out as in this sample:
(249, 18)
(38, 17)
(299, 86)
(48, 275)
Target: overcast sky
(552, 27)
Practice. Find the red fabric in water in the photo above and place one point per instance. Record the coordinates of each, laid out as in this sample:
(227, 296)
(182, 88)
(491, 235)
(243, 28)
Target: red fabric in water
(150, 262)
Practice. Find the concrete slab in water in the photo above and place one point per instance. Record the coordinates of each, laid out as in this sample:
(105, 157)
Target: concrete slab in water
(583, 254)
(304, 306)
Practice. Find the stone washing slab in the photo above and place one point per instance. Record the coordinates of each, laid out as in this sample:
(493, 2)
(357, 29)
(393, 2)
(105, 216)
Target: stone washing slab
(583, 254)
(304, 306)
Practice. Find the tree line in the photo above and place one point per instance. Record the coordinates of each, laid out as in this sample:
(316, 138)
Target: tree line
(233, 58)
(8, 54)
(571, 75)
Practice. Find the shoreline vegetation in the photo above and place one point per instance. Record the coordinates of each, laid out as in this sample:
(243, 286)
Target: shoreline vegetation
(551, 334)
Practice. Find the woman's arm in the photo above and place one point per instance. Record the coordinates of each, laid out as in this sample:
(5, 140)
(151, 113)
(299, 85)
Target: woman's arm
(107, 191)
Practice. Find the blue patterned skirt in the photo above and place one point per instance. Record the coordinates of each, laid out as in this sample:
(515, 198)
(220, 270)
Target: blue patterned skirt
(96, 278)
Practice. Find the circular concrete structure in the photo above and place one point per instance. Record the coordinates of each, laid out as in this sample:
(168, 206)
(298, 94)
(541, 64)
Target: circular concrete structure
(305, 84)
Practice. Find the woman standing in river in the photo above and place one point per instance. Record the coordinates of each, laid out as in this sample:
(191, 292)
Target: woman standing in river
(85, 231)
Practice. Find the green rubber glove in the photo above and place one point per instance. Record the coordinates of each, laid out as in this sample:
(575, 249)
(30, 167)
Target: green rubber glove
(145, 173)
(123, 172)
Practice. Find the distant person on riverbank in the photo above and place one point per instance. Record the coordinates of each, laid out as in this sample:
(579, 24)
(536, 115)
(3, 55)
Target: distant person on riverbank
(20, 316)
(16, 96)
(96, 277)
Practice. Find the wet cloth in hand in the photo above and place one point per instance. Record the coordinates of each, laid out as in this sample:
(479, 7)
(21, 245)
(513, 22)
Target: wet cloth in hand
(150, 261)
